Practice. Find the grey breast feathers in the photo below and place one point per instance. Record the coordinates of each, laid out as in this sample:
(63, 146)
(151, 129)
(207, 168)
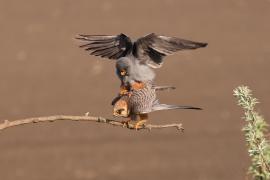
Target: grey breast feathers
(136, 70)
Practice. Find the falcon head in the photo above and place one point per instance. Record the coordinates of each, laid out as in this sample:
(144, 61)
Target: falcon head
(123, 69)
(120, 108)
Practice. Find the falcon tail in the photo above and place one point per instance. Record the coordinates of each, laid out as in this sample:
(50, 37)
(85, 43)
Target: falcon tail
(163, 88)
(194, 45)
(159, 107)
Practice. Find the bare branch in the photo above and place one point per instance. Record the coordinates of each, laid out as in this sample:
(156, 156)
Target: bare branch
(8, 124)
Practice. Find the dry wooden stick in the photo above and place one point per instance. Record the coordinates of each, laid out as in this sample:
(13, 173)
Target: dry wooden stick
(8, 124)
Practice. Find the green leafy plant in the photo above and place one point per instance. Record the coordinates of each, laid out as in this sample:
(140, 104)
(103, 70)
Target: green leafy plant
(255, 130)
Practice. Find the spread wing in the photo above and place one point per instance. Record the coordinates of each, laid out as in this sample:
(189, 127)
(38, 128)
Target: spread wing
(152, 48)
(112, 47)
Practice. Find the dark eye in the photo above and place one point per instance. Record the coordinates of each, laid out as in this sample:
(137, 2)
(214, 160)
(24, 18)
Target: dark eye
(119, 111)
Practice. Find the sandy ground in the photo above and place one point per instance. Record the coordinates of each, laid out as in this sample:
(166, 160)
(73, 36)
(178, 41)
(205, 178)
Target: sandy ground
(43, 72)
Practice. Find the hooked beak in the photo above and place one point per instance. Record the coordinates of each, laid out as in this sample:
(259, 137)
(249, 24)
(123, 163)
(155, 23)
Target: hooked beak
(115, 114)
(123, 73)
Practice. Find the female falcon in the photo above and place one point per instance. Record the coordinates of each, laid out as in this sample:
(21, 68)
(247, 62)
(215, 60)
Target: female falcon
(141, 102)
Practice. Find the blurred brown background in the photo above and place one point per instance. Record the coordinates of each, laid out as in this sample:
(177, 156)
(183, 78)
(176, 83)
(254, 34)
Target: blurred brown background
(43, 72)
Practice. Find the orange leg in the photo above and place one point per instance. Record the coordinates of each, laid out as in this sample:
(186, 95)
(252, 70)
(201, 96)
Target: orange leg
(123, 90)
(137, 85)
(126, 122)
(142, 121)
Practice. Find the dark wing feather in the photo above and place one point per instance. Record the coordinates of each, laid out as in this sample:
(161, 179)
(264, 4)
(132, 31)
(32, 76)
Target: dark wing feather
(152, 48)
(112, 47)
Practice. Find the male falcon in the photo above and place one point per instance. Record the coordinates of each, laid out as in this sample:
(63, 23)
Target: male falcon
(136, 60)
(140, 103)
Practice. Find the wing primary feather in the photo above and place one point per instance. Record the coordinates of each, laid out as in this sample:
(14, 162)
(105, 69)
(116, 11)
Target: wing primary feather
(99, 48)
(104, 51)
(116, 55)
(112, 47)
(109, 53)
(95, 37)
